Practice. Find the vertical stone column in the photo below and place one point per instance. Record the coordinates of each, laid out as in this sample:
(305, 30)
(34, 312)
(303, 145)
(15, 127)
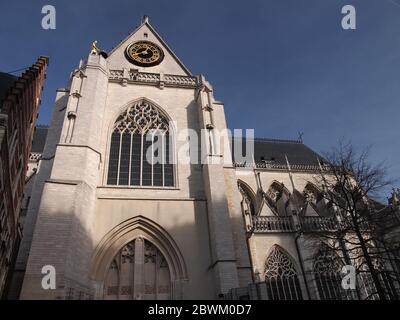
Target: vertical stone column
(221, 237)
(139, 269)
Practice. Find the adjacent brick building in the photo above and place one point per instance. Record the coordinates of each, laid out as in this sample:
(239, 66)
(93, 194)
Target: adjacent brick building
(19, 105)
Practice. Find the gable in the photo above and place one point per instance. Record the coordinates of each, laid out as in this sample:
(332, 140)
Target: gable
(169, 65)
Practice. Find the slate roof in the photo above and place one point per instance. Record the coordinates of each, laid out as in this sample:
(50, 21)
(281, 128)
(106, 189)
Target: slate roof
(270, 151)
(39, 139)
(273, 152)
(6, 82)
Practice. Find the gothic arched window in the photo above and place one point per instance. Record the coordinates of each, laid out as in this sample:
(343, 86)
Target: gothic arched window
(138, 271)
(385, 275)
(141, 148)
(327, 267)
(281, 276)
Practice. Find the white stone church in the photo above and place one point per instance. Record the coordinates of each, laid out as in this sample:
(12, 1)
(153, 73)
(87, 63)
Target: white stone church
(115, 226)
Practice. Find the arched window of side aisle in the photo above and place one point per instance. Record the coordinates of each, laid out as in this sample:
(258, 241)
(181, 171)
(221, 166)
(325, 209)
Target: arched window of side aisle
(327, 268)
(281, 276)
(141, 148)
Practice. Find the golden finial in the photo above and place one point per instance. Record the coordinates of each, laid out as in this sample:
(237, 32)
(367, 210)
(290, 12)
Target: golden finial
(95, 50)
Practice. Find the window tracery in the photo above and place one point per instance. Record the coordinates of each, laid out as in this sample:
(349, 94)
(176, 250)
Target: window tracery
(141, 148)
(138, 271)
(281, 276)
(327, 268)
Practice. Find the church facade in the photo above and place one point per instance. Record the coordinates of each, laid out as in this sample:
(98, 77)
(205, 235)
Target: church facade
(115, 226)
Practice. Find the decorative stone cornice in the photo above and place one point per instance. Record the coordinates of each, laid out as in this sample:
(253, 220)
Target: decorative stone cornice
(167, 80)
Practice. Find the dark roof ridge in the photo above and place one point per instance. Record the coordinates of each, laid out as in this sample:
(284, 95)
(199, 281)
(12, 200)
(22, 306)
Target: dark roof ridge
(273, 140)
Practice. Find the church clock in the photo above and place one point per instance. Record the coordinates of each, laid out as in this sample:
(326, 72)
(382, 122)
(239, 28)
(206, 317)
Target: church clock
(144, 53)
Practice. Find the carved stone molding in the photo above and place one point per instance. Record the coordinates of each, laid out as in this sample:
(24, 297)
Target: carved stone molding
(156, 79)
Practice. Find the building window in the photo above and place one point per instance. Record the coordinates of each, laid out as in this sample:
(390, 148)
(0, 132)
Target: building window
(138, 271)
(387, 280)
(327, 267)
(281, 276)
(141, 148)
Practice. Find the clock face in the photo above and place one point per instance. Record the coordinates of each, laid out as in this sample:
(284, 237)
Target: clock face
(144, 53)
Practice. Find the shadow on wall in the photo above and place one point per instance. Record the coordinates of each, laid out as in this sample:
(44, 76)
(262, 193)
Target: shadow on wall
(195, 178)
(62, 241)
(35, 195)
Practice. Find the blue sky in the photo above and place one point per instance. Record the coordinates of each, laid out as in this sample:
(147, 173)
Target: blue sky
(280, 66)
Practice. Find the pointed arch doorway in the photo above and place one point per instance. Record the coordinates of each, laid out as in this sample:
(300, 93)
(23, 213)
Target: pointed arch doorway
(138, 259)
(139, 271)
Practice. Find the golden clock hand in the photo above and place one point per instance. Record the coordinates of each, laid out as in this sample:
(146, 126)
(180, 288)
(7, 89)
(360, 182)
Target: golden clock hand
(137, 53)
